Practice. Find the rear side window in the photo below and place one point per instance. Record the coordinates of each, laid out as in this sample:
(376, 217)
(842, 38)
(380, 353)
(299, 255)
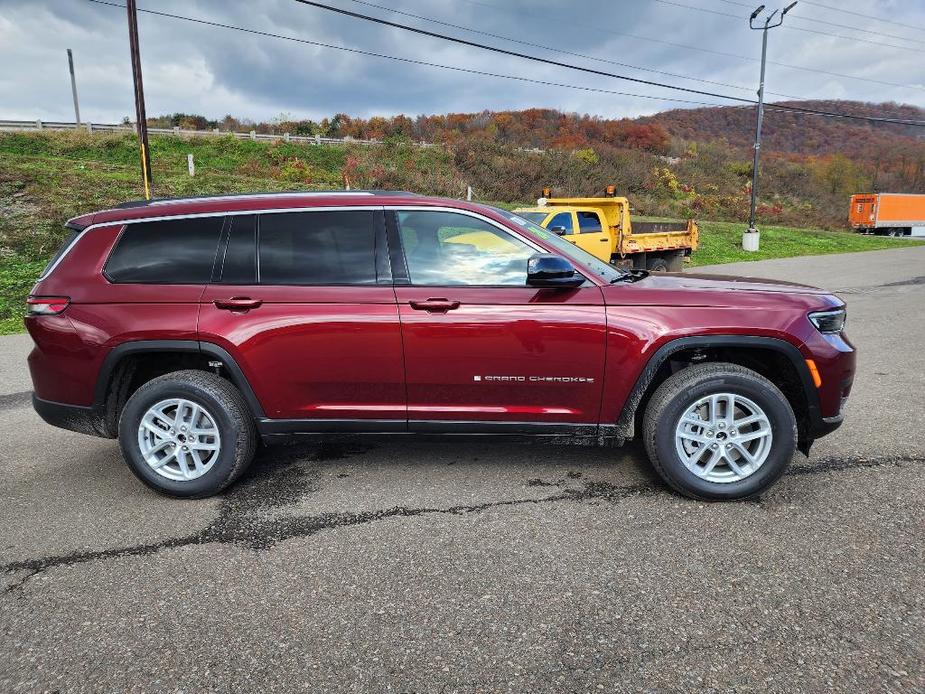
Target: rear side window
(177, 251)
(318, 248)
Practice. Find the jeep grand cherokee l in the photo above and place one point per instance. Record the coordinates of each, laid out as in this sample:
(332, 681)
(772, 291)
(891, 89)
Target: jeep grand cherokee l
(192, 328)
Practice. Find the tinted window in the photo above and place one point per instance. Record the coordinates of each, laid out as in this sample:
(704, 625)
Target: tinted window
(563, 220)
(588, 222)
(318, 248)
(179, 251)
(444, 248)
(240, 266)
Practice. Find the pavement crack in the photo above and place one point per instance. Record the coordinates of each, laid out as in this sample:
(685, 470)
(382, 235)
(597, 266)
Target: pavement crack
(244, 517)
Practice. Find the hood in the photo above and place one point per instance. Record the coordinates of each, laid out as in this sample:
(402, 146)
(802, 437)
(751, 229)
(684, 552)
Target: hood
(690, 281)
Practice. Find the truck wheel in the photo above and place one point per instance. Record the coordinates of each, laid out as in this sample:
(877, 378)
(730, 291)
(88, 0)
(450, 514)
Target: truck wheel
(657, 265)
(719, 432)
(187, 434)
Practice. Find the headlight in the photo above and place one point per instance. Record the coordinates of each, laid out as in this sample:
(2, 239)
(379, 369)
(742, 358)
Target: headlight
(829, 322)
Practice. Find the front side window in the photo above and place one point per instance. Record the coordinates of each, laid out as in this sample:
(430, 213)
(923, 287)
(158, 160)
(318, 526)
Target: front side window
(174, 251)
(318, 248)
(561, 221)
(446, 248)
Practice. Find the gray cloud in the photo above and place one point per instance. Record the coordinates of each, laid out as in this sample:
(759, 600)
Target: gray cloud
(195, 68)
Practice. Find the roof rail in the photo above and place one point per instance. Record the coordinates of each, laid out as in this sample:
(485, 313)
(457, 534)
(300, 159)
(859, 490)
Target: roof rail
(273, 194)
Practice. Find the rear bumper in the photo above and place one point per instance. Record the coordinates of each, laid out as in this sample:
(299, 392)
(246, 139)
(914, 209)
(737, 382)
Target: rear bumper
(84, 420)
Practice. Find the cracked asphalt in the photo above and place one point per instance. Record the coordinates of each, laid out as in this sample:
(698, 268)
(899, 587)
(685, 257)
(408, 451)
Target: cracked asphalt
(473, 567)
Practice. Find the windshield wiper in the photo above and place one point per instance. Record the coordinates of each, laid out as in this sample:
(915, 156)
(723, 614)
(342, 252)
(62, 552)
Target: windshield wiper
(633, 275)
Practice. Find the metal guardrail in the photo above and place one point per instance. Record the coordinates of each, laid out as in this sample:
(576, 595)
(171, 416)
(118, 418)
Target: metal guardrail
(34, 125)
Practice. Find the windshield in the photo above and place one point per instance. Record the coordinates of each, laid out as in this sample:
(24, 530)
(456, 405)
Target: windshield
(535, 217)
(583, 259)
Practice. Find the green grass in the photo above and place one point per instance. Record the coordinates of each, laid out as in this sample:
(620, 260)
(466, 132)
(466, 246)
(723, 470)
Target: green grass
(721, 242)
(46, 178)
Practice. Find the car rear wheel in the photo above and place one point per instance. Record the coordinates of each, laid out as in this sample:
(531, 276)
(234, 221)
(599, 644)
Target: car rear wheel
(187, 434)
(719, 431)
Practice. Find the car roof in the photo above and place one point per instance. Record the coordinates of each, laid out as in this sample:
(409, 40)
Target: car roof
(257, 202)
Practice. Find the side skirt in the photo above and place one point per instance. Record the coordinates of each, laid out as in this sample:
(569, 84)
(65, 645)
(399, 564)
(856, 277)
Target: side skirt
(281, 430)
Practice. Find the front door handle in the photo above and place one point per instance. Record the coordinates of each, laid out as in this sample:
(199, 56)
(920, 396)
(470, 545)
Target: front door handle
(237, 303)
(435, 305)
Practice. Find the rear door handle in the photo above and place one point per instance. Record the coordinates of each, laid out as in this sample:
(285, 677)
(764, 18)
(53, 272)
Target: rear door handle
(237, 303)
(434, 305)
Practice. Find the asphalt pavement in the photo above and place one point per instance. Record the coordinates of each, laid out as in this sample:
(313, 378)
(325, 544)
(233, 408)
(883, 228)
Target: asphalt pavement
(472, 566)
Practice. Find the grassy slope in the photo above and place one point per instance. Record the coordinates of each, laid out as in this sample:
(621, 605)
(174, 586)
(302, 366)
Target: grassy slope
(45, 179)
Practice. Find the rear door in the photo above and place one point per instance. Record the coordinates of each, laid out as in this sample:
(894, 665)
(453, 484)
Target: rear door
(593, 236)
(483, 351)
(304, 302)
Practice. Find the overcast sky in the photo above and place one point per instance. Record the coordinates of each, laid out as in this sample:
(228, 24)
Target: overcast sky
(213, 71)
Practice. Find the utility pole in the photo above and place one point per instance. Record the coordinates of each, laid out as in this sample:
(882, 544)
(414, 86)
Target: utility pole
(140, 117)
(751, 237)
(70, 63)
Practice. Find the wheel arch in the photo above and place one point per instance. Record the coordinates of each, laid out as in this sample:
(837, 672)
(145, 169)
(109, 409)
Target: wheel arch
(117, 373)
(746, 350)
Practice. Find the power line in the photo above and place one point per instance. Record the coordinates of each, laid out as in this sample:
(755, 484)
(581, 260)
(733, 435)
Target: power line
(565, 52)
(859, 14)
(793, 28)
(593, 71)
(722, 53)
(412, 61)
(827, 23)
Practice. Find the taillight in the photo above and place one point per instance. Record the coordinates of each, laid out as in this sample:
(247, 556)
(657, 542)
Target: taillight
(46, 305)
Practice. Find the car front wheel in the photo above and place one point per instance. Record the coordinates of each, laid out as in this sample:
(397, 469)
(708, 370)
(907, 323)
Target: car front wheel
(187, 434)
(719, 431)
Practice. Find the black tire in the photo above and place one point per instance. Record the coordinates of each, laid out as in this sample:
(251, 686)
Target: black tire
(657, 265)
(683, 389)
(232, 418)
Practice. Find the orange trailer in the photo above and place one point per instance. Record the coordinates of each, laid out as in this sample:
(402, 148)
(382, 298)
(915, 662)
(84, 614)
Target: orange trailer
(892, 214)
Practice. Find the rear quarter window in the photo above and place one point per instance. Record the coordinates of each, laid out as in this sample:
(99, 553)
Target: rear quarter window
(176, 251)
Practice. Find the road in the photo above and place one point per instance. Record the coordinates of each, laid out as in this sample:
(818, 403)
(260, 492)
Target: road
(472, 567)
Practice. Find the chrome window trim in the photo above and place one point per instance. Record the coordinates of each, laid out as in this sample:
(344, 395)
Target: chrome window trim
(325, 208)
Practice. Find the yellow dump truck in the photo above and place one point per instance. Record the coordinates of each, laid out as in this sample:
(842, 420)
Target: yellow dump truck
(602, 226)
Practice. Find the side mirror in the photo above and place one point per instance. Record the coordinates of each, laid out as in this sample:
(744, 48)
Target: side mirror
(561, 231)
(548, 270)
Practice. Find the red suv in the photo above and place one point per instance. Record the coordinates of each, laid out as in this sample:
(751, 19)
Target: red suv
(192, 329)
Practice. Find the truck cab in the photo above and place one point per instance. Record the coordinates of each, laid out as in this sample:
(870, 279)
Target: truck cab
(603, 227)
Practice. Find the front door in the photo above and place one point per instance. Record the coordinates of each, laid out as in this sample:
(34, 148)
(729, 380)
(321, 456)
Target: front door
(480, 346)
(310, 316)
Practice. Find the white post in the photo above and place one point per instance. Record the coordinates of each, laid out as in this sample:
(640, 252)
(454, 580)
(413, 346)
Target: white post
(176, 130)
(285, 137)
(38, 124)
(190, 165)
(469, 193)
(317, 139)
(253, 134)
(89, 127)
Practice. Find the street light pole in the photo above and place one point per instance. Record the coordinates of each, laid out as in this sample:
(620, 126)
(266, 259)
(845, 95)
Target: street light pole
(751, 237)
(140, 117)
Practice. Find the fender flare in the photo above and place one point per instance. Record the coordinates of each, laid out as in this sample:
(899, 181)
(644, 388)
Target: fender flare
(208, 349)
(625, 426)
